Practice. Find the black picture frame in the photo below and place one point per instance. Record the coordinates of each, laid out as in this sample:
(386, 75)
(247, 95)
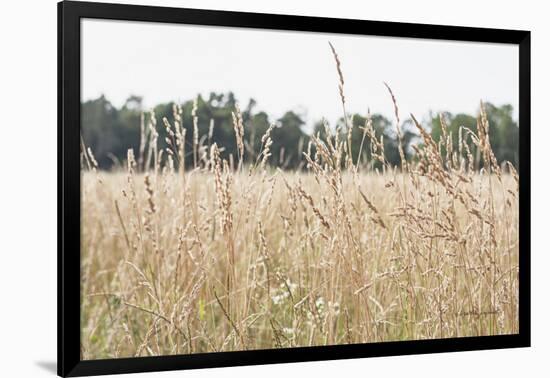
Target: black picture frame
(69, 16)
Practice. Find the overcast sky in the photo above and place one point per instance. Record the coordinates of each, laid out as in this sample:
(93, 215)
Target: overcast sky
(293, 70)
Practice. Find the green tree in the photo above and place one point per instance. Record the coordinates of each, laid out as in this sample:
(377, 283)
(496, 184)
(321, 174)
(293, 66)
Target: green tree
(503, 131)
(288, 141)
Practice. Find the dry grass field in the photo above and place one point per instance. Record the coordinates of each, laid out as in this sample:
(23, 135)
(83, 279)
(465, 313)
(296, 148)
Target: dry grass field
(223, 258)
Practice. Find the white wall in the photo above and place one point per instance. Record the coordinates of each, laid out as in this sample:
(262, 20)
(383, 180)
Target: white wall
(28, 186)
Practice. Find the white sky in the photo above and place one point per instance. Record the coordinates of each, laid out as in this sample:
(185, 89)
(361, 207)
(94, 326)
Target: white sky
(293, 70)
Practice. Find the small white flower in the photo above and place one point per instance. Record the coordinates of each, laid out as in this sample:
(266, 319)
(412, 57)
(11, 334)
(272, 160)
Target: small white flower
(334, 307)
(279, 298)
(320, 304)
(288, 331)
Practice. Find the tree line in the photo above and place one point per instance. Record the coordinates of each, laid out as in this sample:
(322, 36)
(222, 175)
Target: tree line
(110, 131)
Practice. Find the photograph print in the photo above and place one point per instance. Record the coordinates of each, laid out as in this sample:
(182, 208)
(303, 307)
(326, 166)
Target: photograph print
(250, 189)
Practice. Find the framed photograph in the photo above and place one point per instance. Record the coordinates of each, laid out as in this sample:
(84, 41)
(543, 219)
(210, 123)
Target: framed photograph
(240, 188)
